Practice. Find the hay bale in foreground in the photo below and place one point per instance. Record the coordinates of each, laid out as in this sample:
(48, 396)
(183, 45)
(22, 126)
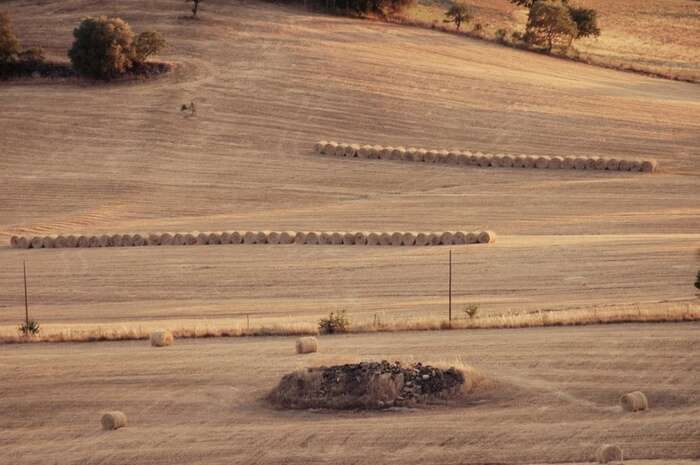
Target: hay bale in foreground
(364, 151)
(312, 238)
(472, 237)
(273, 238)
(385, 239)
(236, 237)
(300, 238)
(580, 163)
(348, 238)
(600, 163)
(161, 338)
(360, 238)
(609, 453)
(36, 242)
(154, 239)
(634, 401)
(487, 237)
(113, 420)
(60, 242)
(351, 150)
(496, 160)
(434, 238)
(287, 237)
(48, 242)
(568, 163)
(325, 238)
(395, 239)
(225, 237)
(166, 239)
(613, 164)
(408, 239)
(625, 165)
(105, 240)
(447, 238)
(23, 242)
(329, 148)
(649, 166)
(590, 163)
(422, 239)
(398, 153)
(555, 163)
(373, 238)
(542, 162)
(506, 161)
(138, 240)
(190, 239)
(250, 237)
(71, 241)
(202, 238)
(307, 345)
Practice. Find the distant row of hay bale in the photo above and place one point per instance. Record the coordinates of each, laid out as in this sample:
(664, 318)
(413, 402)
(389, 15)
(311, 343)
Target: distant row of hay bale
(257, 237)
(465, 157)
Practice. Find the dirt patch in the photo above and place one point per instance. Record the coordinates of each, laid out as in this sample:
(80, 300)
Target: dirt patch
(369, 385)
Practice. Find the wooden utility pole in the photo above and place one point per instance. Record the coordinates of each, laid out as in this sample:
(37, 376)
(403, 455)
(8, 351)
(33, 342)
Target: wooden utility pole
(450, 291)
(26, 301)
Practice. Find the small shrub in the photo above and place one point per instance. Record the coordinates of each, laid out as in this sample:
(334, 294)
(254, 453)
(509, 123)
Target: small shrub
(148, 43)
(586, 20)
(9, 45)
(502, 36)
(471, 310)
(478, 27)
(458, 14)
(29, 328)
(335, 323)
(516, 36)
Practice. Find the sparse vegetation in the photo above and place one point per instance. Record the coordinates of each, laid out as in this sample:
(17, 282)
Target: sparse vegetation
(458, 14)
(105, 48)
(9, 45)
(29, 328)
(335, 323)
(471, 310)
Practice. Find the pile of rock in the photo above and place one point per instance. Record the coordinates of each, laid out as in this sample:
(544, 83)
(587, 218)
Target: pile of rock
(373, 385)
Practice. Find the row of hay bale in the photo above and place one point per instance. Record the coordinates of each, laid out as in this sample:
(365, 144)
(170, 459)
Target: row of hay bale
(258, 237)
(465, 157)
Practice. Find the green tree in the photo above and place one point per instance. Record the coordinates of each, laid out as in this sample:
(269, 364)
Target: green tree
(103, 47)
(148, 43)
(458, 14)
(9, 45)
(586, 20)
(549, 22)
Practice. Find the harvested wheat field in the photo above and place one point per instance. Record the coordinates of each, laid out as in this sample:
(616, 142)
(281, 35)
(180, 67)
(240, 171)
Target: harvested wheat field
(542, 396)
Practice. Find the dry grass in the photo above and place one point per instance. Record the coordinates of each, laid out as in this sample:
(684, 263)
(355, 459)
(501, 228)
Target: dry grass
(291, 326)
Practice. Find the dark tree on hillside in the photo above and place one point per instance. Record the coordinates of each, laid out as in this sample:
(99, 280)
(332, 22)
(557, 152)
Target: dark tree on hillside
(586, 20)
(549, 22)
(195, 6)
(697, 280)
(9, 45)
(458, 14)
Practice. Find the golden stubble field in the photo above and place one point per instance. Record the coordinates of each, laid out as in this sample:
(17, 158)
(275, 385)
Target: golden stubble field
(550, 397)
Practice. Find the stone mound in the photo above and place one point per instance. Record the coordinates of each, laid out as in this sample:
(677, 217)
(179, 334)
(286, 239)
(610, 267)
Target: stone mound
(368, 385)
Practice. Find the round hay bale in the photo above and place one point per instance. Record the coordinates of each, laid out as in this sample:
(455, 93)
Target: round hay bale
(447, 238)
(484, 161)
(613, 164)
(474, 158)
(153, 239)
(190, 239)
(113, 420)
(434, 238)
(507, 161)
(94, 241)
(422, 239)
(48, 242)
(337, 238)
(225, 237)
(60, 242)
(373, 238)
(348, 238)
(312, 238)
(649, 166)
(375, 152)
(300, 238)
(635, 165)
(460, 238)
(600, 163)
(83, 241)
(519, 161)
(463, 158)
(396, 239)
(325, 238)
(214, 239)
(408, 239)
(487, 237)
(202, 238)
(435, 155)
(580, 163)
(340, 150)
(13, 242)
(428, 156)
(115, 240)
(555, 163)
(351, 150)
(329, 148)
(138, 240)
(250, 237)
(398, 153)
(319, 146)
(261, 237)
(409, 155)
(178, 239)
(529, 161)
(590, 163)
(542, 162)
(472, 237)
(273, 238)
(287, 237)
(127, 240)
(307, 345)
(608, 453)
(496, 160)
(634, 401)
(36, 242)
(360, 238)
(452, 157)
(23, 242)
(71, 241)
(385, 239)
(166, 239)
(625, 165)
(442, 156)
(568, 163)
(385, 153)
(364, 151)
(236, 237)
(161, 338)
(105, 240)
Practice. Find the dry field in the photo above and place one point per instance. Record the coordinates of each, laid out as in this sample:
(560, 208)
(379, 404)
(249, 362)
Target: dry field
(550, 397)
(657, 37)
(268, 82)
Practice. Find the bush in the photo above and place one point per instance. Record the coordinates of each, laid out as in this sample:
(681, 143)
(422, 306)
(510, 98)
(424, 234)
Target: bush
(458, 14)
(9, 45)
(502, 36)
(107, 47)
(586, 20)
(335, 323)
(549, 22)
(471, 310)
(29, 328)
